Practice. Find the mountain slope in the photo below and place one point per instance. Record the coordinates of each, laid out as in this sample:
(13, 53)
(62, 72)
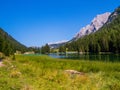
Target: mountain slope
(8, 45)
(95, 25)
(57, 44)
(106, 39)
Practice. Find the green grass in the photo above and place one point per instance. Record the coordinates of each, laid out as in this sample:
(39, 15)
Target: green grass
(46, 73)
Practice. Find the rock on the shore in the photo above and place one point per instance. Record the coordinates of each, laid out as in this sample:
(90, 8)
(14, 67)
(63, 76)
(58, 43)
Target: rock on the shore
(1, 64)
(74, 72)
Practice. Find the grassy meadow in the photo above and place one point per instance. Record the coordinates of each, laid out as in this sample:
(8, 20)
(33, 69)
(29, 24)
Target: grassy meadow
(46, 73)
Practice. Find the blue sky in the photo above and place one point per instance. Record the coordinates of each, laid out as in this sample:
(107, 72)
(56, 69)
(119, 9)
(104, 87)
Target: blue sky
(37, 22)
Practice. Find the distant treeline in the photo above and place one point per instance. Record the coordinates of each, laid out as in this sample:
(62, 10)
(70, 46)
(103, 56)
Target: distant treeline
(43, 50)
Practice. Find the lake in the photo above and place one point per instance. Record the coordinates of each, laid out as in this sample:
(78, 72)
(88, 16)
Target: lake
(92, 57)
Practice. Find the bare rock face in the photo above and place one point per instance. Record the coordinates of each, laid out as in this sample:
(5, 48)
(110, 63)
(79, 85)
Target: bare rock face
(95, 25)
(115, 14)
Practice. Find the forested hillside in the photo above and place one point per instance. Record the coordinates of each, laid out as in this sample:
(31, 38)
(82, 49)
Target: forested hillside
(106, 39)
(8, 45)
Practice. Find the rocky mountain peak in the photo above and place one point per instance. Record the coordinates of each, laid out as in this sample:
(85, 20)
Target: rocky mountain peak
(95, 25)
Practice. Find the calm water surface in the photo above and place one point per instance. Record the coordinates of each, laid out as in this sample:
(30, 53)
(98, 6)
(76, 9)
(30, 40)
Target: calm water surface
(95, 57)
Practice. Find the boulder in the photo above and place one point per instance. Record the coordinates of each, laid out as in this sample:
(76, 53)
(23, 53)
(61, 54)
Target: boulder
(74, 72)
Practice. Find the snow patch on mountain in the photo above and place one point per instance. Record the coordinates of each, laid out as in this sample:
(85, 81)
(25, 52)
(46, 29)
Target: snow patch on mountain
(58, 42)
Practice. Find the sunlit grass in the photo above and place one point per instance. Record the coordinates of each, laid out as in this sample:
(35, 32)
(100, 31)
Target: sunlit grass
(46, 73)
